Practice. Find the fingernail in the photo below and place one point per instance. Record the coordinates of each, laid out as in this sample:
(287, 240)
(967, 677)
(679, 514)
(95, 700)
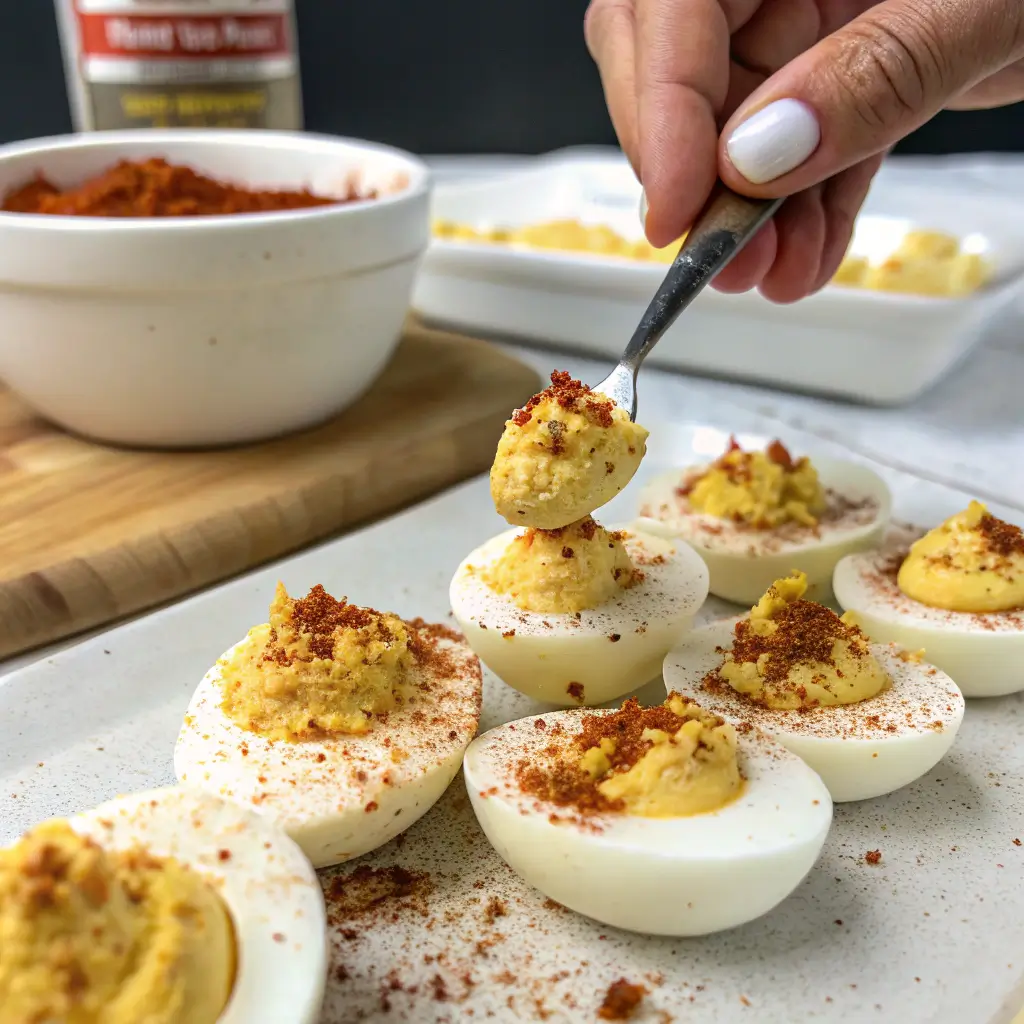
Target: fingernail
(774, 141)
(643, 210)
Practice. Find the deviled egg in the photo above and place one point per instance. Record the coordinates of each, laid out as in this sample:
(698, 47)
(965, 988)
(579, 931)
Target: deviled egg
(957, 592)
(753, 516)
(868, 718)
(344, 724)
(659, 820)
(171, 906)
(580, 615)
(568, 451)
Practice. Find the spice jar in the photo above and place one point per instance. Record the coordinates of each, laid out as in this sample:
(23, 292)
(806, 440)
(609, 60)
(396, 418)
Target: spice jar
(181, 63)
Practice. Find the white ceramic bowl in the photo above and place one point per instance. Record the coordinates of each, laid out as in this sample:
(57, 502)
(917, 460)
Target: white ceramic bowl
(181, 332)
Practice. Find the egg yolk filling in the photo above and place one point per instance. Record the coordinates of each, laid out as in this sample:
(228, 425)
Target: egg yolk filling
(563, 571)
(792, 653)
(568, 451)
(668, 761)
(319, 666)
(89, 936)
(973, 562)
(760, 489)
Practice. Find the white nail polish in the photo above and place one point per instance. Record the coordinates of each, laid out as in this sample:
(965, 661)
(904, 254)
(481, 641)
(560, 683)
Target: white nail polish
(774, 141)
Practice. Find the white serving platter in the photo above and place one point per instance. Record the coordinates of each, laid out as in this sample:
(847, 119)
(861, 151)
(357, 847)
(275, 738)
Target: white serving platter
(934, 933)
(868, 346)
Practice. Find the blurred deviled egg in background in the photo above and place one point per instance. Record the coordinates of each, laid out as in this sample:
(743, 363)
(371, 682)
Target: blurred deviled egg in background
(342, 723)
(957, 592)
(869, 718)
(754, 516)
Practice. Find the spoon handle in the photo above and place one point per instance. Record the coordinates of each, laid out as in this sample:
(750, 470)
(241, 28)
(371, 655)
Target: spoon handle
(724, 226)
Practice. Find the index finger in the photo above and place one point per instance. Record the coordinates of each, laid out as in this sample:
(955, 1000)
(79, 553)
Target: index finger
(609, 29)
(682, 79)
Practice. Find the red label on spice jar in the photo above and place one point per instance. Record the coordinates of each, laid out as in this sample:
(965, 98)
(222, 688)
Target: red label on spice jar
(181, 63)
(183, 37)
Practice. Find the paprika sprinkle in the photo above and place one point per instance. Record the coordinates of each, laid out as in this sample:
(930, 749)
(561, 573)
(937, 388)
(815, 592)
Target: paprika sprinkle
(571, 395)
(157, 188)
(621, 1001)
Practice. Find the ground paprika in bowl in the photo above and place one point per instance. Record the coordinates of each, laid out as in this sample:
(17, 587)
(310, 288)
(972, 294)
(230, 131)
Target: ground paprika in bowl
(157, 188)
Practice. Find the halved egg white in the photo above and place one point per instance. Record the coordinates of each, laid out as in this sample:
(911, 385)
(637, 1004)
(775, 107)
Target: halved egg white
(600, 654)
(269, 888)
(983, 652)
(860, 750)
(744, 562)
(659, 876)
(340, 796)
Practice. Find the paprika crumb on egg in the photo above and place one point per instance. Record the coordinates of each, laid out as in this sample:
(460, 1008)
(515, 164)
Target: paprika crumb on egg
(806, 634)
(592, 773)
(319, 666)
(569, 394)
(790, 653)
(319, 615)
(1001, 538)
(157, 188)
(322, 666)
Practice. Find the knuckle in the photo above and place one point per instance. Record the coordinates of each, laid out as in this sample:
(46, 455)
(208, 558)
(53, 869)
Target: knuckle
(590, 19)
(889, 71)
(1017, 29)
(843, 218)
(600, 18)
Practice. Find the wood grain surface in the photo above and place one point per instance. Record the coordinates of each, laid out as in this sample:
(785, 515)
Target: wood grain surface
(90, 533)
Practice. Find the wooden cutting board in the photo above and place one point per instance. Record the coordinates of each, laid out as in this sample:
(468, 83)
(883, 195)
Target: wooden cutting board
(89, 533)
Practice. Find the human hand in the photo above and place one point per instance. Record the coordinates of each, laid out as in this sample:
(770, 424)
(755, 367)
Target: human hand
(789, 97)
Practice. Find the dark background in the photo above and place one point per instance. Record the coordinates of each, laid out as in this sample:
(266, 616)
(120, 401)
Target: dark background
(456, 76)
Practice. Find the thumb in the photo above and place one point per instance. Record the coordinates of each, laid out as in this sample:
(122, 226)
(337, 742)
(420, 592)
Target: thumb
(863, 88)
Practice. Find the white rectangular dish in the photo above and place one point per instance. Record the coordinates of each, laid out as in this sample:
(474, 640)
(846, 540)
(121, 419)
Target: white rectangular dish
(933, 933)
(872, 347)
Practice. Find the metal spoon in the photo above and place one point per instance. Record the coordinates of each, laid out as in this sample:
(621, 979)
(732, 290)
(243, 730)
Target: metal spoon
(727, 222)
